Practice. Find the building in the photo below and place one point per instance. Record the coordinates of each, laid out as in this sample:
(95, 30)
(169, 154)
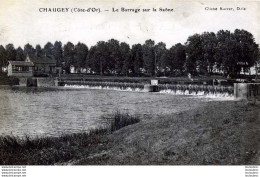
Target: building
(20, 68)
(254, 70)
(33, 66)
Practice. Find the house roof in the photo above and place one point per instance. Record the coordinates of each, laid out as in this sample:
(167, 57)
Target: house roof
(42, 59)
(21, 63)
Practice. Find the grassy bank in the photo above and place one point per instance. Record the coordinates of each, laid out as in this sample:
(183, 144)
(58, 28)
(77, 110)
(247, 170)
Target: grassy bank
(57, 150)
(219, 133)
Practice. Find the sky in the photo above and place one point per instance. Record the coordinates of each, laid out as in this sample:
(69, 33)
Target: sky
(21, 22)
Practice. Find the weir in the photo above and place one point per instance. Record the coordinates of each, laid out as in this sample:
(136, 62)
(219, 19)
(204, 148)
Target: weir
(178, 89)
(241, 91)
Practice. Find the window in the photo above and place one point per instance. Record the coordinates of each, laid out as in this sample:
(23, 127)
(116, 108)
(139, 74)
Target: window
(16, 69)
(25, 68)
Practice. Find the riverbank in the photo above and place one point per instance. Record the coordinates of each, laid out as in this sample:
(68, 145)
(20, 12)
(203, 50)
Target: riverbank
(62, 149)
(218, 133)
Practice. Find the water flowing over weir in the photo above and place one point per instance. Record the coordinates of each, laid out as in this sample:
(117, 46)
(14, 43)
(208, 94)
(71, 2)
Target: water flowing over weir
(199, 90)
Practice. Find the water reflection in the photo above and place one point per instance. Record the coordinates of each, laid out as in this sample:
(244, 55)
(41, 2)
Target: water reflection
(54, 111)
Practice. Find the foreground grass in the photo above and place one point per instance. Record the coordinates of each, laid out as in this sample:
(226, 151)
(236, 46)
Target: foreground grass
(218, 133)
(57, 150)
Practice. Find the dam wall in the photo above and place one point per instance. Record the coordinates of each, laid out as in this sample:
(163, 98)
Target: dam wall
(23, 81)
(242, 91)
(45, 82)
(170, 88)
(36, 81)
(247, 91)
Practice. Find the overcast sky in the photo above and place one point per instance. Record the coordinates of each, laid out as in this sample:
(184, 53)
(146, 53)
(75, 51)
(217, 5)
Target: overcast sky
(21, 22)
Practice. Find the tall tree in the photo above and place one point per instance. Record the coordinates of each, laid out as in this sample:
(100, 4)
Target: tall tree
(10, 52)
(209, 43)
(125, 54)
(177, 58)
(80, 55)
(57, 52)
(28, 49)
(39, 50)
(92, 63)
(257, 62)
(3, 59)
(115, 62)
(137, 58)
(227, 53)
(19, 54)
(149, 57)
(68, 54)
(48, 49)
(160, 57)
(194, 55)
(247, 49)
(101, 57)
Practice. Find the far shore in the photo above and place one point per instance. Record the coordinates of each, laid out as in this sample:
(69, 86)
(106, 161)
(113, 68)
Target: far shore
(215, 133)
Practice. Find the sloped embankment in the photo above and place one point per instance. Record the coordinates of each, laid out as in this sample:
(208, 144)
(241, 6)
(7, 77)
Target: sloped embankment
(219, 133)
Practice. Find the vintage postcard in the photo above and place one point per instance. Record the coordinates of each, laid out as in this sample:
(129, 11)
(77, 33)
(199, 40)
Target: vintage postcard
(86, 82)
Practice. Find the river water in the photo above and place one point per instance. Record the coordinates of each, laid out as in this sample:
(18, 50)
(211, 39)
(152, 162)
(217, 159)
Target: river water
(56, 111)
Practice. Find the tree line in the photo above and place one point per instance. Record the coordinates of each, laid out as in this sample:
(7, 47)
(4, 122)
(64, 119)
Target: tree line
(223, 52)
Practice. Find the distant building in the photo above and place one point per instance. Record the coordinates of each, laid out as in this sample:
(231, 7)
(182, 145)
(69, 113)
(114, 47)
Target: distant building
(73, 69)
(20, 68)
(255, 69)
(4, 69)
(33, 66)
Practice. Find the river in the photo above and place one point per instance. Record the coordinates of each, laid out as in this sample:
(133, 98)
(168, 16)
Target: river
(56, 111)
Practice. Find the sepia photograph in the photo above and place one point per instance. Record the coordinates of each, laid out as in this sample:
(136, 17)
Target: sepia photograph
(86, 82)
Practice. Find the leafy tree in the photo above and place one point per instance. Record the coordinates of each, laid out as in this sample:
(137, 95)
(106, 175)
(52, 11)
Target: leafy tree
(160, 57)
(115, 62)
(137, 58)
(10, 52)
(247, 49)
(38, 50)
(19, 54)
(194, 55)
(209, 43)
(125, 54)
(80, 55)
(68, 54)
(97, 58)
(28, 49)
(57, 52)
(228, 53)
(91, 62)
(3, 60)
(177, 58)
(48, 49)
(257, 62)
(102, 54)
(149, 57)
